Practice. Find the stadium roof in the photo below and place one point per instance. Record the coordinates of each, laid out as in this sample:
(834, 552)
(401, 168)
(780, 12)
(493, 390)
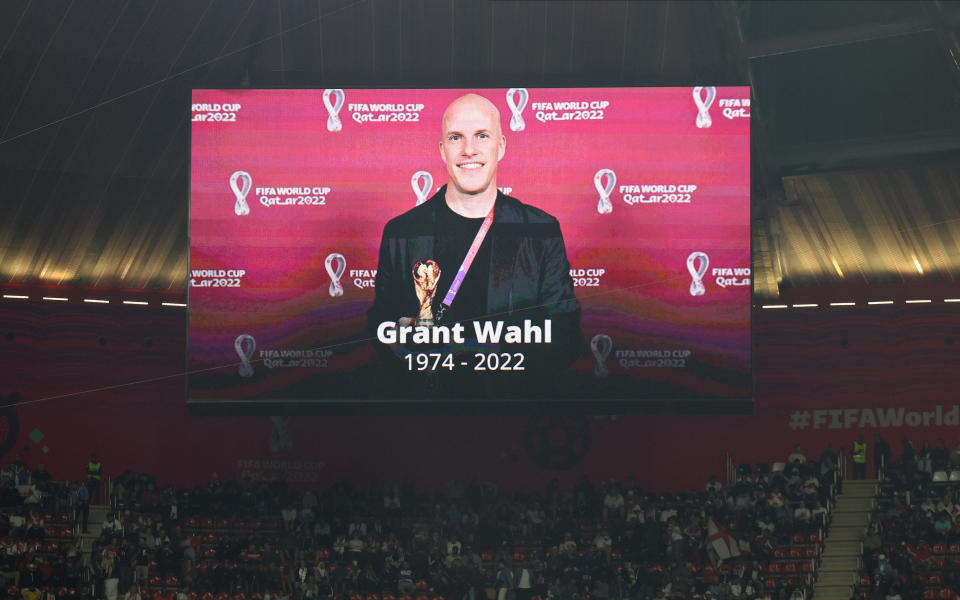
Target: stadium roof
(856, 114)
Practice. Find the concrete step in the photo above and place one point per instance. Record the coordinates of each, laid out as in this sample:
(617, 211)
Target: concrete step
(852, 550)
(853, 510)
(844, 578)
(849, 523)
(840, 531)
(864, 504)
(860, 515)
(839, 565)
(856, 495)
(832, 592)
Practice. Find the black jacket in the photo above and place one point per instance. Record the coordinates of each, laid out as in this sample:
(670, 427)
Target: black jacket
(529, 277)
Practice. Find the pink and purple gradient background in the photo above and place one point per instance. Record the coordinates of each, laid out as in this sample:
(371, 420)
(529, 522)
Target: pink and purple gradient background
(648, 136)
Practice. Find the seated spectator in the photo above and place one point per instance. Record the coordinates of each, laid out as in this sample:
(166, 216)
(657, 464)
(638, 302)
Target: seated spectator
(797, 457)
(613, 504)
(955, 456)
(714, 484)
(943, 524)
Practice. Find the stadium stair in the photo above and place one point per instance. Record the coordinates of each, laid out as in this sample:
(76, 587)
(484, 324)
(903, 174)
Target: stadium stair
(98, 514)
(843, 548)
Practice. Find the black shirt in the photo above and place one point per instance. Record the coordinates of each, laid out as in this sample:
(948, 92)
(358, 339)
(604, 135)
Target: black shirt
(455, 234)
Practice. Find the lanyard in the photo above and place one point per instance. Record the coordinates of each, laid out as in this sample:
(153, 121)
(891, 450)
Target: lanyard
(467, 261)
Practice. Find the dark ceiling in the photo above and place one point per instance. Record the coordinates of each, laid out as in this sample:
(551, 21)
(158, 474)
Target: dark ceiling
(856, 114)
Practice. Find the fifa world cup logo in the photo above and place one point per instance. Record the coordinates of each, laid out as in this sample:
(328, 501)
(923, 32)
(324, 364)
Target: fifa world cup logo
(703, 97)
(601, 345)
(426, 275)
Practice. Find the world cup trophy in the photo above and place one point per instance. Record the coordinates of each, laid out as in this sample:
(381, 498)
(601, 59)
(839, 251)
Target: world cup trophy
(426, 275)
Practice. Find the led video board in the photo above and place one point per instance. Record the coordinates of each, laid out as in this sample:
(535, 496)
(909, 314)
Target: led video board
(342, 253)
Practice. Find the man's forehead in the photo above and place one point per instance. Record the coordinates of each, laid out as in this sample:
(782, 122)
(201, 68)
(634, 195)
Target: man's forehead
(471, 111)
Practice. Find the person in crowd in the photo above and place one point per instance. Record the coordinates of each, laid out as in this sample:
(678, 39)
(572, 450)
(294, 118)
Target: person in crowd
(858, 454)
(80, 503)
(797, 456)
(882, 455)
(94, 478)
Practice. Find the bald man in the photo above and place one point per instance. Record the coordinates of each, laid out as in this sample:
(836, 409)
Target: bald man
(519, 269)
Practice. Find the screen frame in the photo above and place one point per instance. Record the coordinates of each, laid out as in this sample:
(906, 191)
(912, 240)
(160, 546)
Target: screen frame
(460, 406)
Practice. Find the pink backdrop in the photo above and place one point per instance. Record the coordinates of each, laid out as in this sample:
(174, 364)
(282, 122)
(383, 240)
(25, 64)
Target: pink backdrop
(346, 182)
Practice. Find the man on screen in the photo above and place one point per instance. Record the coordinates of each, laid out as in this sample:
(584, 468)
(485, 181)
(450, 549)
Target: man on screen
(519, 269)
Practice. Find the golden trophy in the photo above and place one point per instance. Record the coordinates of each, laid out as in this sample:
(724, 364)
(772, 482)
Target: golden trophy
(426, 275)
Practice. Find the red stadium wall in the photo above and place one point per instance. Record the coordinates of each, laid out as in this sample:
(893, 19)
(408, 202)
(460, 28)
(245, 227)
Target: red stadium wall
(109, 379)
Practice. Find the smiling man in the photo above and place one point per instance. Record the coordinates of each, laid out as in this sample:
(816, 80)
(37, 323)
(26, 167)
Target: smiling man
(471, 254)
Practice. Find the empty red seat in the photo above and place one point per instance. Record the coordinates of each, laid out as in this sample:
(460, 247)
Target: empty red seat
(929, 594)
(771, 583)
(422, 597)
(865, 580)
(792, 567)
(372, 597)
(939, 562)
(206, 523)
(796, 553)
(421, 585)
(192, 523)
(154, 581)
(946, 594)
(487, 556)
(806, 566)
(774, 568)
(171, 581)
(933, 579)
(811, 551)
(939, 548)
(239, 596)
(724, 568)
(223, 523)
(814, 537)
(519, 556)
(780, 553)
(799, 538)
